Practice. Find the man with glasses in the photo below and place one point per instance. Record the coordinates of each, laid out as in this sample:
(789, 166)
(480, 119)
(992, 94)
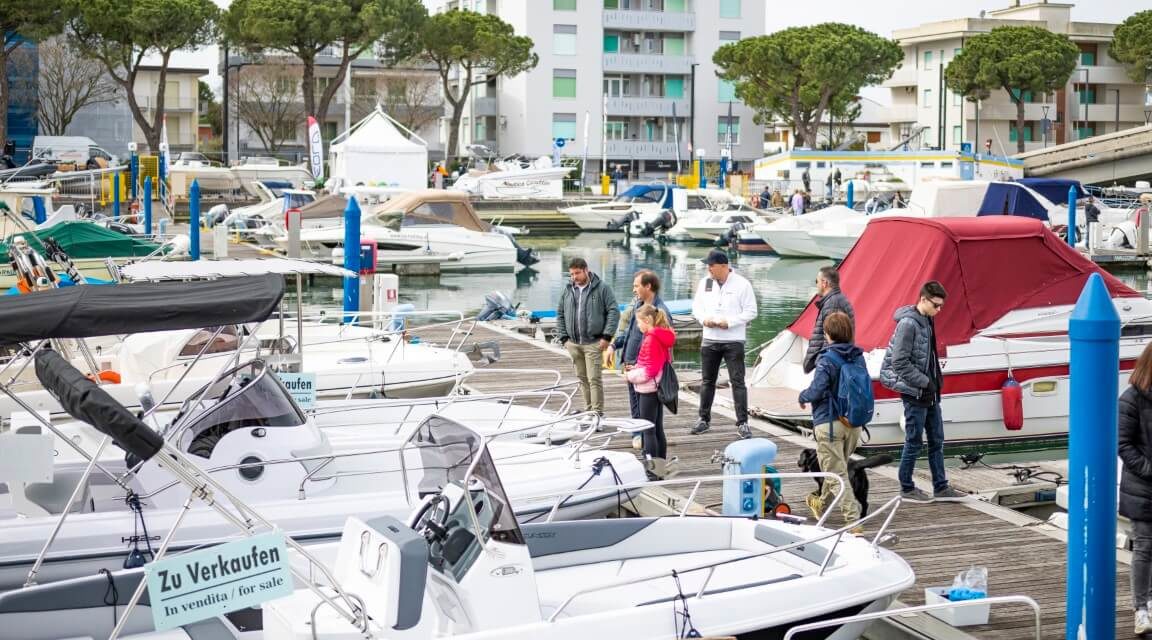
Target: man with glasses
(912, 368)
(831, 300)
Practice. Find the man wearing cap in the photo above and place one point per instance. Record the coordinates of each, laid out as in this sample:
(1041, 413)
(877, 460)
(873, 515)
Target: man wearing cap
(724, 304)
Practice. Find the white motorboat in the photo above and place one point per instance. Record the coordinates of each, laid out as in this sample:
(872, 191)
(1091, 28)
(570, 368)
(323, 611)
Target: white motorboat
(613, 215)
(461, 566)
(258, 169)
(704, 210)
(790, 236)
(346, 359)
(191, 165)
(275, 201)
(425, 221)
(993, 328)
(245, 430)
(512, 178)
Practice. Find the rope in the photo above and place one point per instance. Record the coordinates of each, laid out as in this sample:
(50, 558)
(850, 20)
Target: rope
(682, 619)
(598, 465)
(115, 595)
(135, 557)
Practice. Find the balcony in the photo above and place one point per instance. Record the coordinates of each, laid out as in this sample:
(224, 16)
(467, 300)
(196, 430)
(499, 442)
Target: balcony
(171, 103)
(1107, 112)
(1103, 75)
(1007, 111)
(903, 113)
(653, 106)
(626, 20)
(486, 106)
(625, 149)
(905, 76)
(647, 63)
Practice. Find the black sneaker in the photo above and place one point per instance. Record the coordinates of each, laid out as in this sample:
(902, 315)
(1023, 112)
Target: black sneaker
(701, 427)
(743, 429)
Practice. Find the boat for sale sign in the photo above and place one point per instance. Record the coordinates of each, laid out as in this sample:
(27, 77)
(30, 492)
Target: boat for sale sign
(213, 581)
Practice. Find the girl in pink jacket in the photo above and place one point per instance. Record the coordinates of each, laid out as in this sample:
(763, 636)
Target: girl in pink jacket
(655, 351)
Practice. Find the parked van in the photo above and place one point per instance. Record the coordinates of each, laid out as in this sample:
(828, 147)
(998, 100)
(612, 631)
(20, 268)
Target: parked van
(80, 150)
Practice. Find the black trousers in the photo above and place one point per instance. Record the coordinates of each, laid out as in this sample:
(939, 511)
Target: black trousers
(732, 354)
(652, 410)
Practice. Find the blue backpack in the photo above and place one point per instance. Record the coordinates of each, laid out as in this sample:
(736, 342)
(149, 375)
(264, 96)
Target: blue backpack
(852, 401)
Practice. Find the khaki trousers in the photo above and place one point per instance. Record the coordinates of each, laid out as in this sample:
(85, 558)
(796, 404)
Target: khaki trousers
(833, 450)
(586, 359)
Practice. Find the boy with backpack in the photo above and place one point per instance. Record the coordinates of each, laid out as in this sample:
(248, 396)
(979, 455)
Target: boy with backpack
(842, 404)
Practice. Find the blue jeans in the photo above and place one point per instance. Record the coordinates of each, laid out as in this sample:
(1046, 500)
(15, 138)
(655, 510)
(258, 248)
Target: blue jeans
(919, 421)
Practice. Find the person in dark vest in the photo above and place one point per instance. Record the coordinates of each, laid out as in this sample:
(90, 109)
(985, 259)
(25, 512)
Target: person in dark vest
(1135, 439)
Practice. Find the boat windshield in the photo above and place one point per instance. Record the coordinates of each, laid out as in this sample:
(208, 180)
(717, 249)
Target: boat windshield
(246, 396)
(641, 194)
(448, 450)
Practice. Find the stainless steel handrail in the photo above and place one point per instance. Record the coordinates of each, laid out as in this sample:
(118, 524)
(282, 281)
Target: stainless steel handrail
(890, 613)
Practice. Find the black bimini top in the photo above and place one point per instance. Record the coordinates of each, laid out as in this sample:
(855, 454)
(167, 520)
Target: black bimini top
(101, 310)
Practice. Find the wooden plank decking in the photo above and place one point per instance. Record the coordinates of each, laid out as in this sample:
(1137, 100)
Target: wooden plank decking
(1023, 556)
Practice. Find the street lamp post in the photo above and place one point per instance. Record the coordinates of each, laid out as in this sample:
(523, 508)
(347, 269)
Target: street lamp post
(1044, 125)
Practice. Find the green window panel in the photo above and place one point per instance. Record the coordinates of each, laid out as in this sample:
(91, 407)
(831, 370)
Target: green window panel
(564, 125)
(673, 45)
(611, 4)
(674, 6)
(564, 5)
(727, 91)
(674, 87)
(611, 44)
(563, 87)
(1088, 58)
(729, 8)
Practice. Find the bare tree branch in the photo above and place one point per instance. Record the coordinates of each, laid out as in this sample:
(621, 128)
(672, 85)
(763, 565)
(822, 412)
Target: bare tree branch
(68, 83)
(413, 101)
(268, 102)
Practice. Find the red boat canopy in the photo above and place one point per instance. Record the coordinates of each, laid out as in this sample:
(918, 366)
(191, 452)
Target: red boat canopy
(988, 265)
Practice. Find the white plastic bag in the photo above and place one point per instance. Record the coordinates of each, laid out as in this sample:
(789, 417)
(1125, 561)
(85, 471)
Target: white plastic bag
(970, 585)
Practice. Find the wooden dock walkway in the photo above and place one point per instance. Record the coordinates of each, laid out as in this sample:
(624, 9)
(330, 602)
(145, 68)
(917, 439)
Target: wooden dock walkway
(1023, 555)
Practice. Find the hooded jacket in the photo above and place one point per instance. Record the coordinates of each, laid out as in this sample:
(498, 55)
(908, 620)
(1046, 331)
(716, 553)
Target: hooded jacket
(826, 380)
(655, 351)
(1135, 439)
(834, 300)
(909, 367)
(598, 315)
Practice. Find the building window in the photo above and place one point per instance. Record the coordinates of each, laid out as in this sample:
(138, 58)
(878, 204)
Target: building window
(927, 59)
(564, 83)
(927, 140)
(727, 91)
(1088, 58)
(611, 4)
(1085, 94)
(927, 101)
(618, 87)
(957, 134)
(729, 36)
(564, 39)
(729, 8)
(563, 5)
(873, 137)
(957, 99)
(615, 130)
(322, 84)
(674, 6)
(1012, 134)
(673, 45)
(481, 130)
(673, 87)
(1025, 97)
(956, 51)
(564, 126)
(722, 130)
(1085, 132)
(364, 87)
(611, 43)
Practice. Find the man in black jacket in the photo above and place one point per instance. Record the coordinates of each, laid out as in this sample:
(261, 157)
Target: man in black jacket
(831, 299)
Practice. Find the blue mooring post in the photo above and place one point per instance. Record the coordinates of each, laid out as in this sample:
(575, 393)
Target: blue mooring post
(116, 194)
(351, 259)
(703, 180)
(1072, 216)
(38, 212)
(723, 182)
(851, 195)
(1094, 330)
(194, 218)
(148, 205)
(134, 164)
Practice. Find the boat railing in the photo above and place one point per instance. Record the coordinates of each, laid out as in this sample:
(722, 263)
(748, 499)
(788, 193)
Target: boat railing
(887, 509)
(926, 608)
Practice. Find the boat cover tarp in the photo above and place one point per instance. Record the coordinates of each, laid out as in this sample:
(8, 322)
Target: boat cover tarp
(85, 240)
(1008, 199)
(989, 266)
(1055, 189)
(436, 206)
(82, 312)
(84, 400)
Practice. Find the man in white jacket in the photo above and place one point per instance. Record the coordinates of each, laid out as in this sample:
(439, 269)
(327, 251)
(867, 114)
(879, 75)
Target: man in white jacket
(724, 304)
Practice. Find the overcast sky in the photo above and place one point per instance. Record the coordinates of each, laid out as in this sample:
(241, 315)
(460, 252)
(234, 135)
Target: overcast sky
(880, 16)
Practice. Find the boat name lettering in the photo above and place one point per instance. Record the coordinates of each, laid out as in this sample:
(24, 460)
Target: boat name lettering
(506, 570)
(540, 534)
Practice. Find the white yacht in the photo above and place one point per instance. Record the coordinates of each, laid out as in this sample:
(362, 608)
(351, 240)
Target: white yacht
(637, 200)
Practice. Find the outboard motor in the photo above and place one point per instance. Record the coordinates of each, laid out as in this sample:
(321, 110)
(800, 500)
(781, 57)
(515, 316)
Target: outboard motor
(729, 236)
(497, 306)
(622, 222)
(665, 221)
(217, 214)
(524, 255)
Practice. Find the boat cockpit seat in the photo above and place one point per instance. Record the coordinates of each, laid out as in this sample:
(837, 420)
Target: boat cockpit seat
(51, 497)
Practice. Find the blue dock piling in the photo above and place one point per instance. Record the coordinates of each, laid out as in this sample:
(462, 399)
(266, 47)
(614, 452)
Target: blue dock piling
(194, 218)
(148, 205)
(351, 259)
(116, 194)
(1094, 330)
(134, 165)
(1072, 216)
(851, 195)
(38, 212)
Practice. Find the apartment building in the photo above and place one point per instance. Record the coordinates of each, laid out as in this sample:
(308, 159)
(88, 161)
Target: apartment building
(1098, 98)
(409, 93)
(639, 72)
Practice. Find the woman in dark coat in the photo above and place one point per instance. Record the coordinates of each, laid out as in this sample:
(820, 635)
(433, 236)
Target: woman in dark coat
(1136, 481)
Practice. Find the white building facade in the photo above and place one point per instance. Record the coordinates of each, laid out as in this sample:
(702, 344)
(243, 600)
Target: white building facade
(1098, 98)
(637, 75)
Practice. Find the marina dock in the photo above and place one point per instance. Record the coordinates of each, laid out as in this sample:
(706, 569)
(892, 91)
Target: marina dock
(1024, 556)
